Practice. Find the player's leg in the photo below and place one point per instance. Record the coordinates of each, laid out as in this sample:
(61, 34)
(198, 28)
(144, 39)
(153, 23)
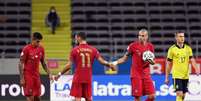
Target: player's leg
(179, 96)
(136, 85)
(137, 98)
(150, 97)
(36, 98)
(148, 89)
(76, 91)
(185, 87)
(28, 87)
(30, 98)
(37, 89)
(179, 89)
(87, 91)
(77, 98)
(88, 99)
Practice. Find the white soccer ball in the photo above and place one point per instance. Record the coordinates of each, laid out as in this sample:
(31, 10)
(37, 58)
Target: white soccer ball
(148, 55)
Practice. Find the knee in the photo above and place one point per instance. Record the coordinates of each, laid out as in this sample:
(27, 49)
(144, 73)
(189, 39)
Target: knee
(180, 94)
(88, 99)
(152, 97)
(137, 98)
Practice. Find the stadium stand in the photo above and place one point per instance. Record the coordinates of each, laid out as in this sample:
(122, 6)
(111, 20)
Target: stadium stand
(113, 24)
(57, 46)
(16, 29)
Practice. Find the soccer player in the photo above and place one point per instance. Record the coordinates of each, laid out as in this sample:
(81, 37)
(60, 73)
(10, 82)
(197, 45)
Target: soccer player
(178, 57)
(83, 57)
(30, 57)
(141, 81)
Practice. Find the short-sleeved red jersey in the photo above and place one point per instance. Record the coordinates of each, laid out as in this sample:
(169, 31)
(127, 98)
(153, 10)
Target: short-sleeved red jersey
(83, 57)
(31, 56)
(139, 67)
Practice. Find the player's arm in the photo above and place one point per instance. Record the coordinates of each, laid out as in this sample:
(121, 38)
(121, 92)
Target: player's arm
(151, 60)
(103, 61)
(106, 63)
(168, 69)
(122, 59)
(168, 64)
(193, 63)
(21, 70)
(66, 69)
(44, 65)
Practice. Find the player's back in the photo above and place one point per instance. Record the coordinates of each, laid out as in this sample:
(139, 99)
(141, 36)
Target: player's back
(83, 57)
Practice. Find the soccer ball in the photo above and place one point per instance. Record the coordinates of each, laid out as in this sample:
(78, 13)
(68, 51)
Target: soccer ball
(148, 55)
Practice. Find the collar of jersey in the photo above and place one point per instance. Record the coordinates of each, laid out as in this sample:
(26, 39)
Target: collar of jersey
(179, 47)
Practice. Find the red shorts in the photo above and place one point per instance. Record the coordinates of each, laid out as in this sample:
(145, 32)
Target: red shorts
(141, 87)
(81, 90)
(32, 86)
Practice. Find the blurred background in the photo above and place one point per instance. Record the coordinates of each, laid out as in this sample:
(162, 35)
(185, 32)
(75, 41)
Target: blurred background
(111, 25)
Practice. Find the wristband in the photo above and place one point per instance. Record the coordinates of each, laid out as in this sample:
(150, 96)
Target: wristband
(59, 73)
(115, 63)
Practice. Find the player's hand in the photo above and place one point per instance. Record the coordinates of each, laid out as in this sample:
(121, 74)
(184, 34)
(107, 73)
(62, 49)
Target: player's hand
(22, 82)
(51, 77)
(113, 65)
(197, 71)
(56, 77)
(151, 61)
(167, 81)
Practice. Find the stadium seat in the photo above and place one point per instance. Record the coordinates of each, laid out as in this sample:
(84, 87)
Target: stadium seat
(11, 35)
(122, 19)
(17, 20)
(102, 4)
(77, 4)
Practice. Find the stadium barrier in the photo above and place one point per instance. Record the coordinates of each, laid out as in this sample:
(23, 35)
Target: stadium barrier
(157, 68)
(10, 88)
(117, 88)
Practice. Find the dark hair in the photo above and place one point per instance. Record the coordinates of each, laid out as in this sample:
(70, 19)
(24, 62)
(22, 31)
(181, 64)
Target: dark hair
(179, 32)
(82, 35)
(37, 36)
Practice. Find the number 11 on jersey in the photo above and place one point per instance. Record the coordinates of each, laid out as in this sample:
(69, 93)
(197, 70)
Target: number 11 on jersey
(86, 62)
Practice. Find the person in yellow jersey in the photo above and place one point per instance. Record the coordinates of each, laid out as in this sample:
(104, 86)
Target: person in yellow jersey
(179, 56)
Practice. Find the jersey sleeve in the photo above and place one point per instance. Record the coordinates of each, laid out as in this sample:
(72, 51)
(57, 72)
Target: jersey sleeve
(43, 53)
(97, 53)
(170, 54)
(152, 48)
(129, 48)
(24, 54)
(72, 54)
(190, 52)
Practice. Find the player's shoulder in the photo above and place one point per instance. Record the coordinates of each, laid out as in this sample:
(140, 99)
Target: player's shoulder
(41, 48)
(75, 48)
(26, 47)
(173, 46)
(91, 47)
(150, 44)
(134, 43)
(187, 46)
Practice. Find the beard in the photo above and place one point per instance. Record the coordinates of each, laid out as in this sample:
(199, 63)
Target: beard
(76, 42)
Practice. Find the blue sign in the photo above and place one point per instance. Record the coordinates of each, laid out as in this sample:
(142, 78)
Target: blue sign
(118, 87)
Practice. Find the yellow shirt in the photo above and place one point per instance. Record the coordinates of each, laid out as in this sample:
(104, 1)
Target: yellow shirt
(180, 60)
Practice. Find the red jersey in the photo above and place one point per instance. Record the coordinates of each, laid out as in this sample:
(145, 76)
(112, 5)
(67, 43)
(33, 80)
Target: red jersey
(31, 56)
(139, 67)
(83, 57)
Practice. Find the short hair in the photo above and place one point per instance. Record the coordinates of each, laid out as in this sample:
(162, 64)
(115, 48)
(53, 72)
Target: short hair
(37, 36)
(178, 33)
(143, 30)
(82, 35)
